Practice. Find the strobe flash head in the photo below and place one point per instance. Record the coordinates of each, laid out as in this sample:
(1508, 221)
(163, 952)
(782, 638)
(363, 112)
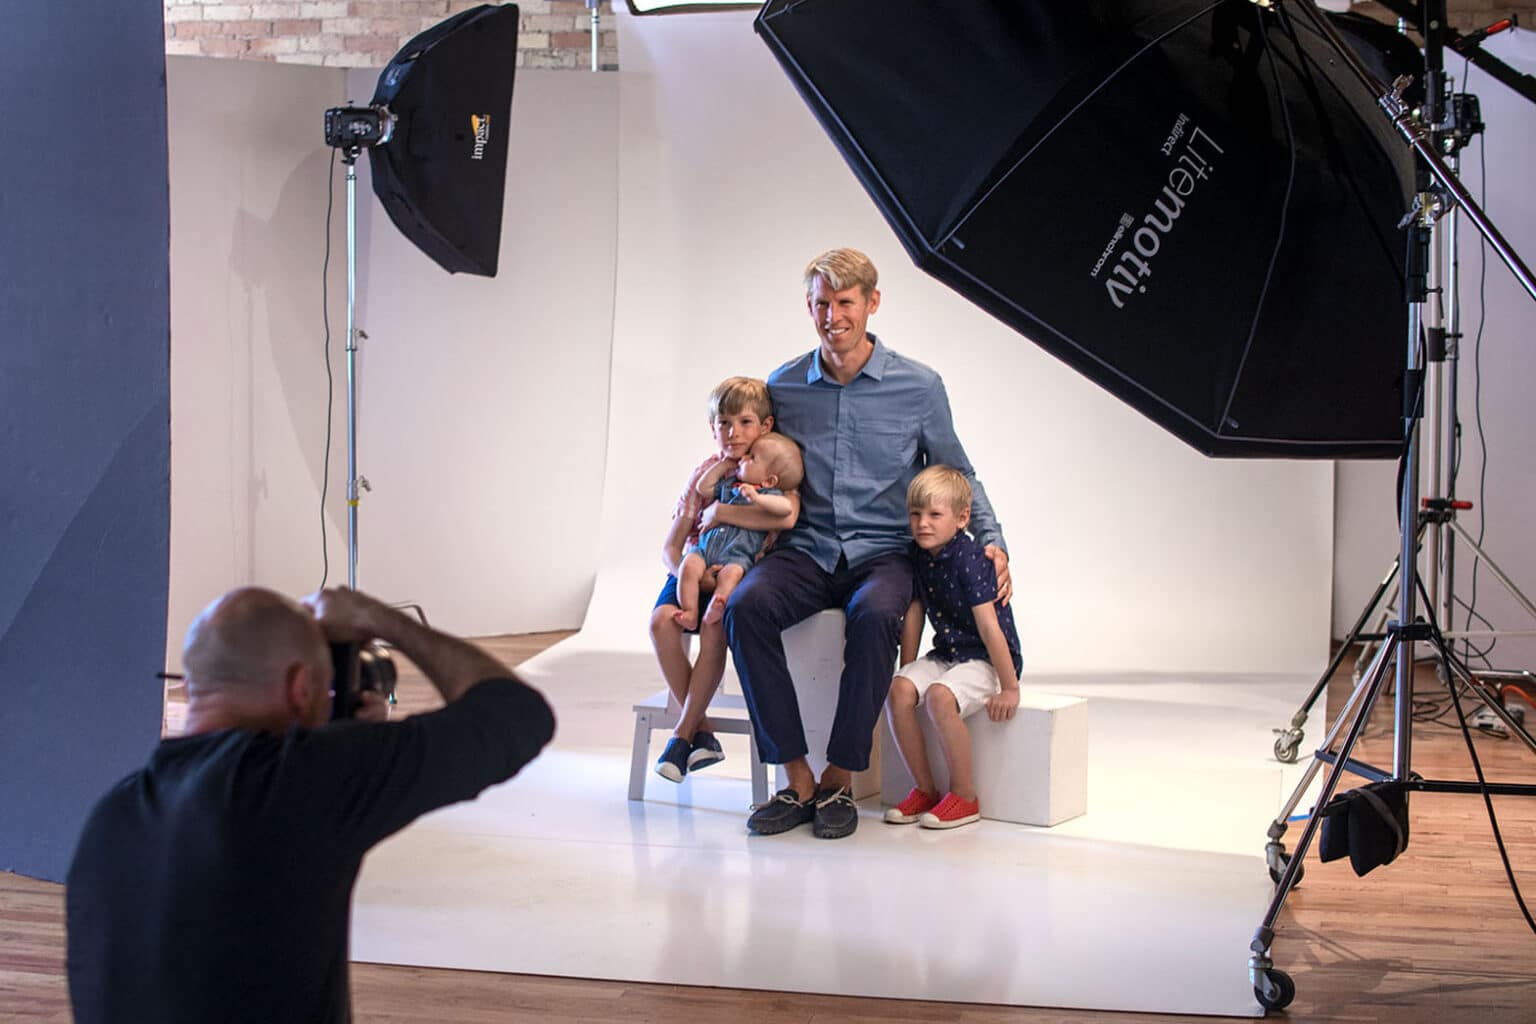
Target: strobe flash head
(356, 128)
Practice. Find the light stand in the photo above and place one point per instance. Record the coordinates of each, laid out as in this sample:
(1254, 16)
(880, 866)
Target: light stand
(350, 130)
(1273, 988)
(1457, 120)
(349, 158)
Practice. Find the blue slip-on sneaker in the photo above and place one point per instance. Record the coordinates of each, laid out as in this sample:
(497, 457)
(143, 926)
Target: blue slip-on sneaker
(785, 811)
(705, 751)
(672, 765)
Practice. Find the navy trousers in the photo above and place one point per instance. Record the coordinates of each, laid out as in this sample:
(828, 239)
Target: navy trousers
(787, 587)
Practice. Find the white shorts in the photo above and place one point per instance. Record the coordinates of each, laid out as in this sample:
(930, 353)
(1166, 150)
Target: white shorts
(972, 682)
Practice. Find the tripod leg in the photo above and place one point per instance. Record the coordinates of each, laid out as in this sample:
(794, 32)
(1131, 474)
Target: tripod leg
(1288, 740)
(1493, 567)
(1261, 969)
(1273, 851)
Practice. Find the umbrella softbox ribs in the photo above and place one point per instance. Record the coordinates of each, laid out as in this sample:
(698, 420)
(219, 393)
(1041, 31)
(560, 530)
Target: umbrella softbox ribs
(1185, 201)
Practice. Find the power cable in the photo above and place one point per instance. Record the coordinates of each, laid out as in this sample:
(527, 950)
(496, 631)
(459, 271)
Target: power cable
(330, 381)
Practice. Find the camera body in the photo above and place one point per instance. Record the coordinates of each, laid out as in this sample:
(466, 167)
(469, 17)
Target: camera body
(359, 668)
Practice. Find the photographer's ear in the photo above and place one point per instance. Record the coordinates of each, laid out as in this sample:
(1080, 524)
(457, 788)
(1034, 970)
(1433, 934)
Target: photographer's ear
(306, 695)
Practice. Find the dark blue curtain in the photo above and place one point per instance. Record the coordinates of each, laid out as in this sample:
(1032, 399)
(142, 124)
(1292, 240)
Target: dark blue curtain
(84, 412)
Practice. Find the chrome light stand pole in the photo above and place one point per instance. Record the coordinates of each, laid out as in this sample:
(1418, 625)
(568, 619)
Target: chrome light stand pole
(349, 158)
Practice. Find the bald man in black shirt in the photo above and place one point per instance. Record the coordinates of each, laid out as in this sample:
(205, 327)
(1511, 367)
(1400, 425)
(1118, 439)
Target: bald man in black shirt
(215, 883)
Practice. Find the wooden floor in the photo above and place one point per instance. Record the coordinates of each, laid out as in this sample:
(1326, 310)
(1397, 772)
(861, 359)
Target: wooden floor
(1435, 938)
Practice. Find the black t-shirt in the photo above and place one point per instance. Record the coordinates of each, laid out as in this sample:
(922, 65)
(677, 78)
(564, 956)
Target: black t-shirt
(214, 885)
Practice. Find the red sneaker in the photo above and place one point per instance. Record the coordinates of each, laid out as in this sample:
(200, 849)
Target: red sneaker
(951, 812)
(910, 809)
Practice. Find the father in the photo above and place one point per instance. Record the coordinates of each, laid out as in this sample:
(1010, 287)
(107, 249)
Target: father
(868, 420)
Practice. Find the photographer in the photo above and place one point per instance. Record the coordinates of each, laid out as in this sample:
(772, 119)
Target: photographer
(215, 883)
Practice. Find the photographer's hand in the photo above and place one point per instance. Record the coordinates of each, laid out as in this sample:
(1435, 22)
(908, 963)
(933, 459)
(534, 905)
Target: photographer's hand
(349, 616)
(450, 664)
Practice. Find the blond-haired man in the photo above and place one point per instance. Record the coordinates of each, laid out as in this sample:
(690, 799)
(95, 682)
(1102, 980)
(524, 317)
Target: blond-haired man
(868, 420)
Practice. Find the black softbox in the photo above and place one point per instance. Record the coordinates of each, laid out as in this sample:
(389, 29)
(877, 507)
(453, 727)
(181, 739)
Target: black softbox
(1189, 202)
(442, 176)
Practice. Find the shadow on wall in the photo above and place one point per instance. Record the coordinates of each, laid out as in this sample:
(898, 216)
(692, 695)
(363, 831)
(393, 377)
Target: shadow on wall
(280, 262)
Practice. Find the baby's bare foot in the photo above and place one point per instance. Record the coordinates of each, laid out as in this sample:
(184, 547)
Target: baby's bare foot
(686, 619)
(715, 612)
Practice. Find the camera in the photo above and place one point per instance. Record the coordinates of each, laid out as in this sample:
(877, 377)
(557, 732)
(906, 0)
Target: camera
(358, 669)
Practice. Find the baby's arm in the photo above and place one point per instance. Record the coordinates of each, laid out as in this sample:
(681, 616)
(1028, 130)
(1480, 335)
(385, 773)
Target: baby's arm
(709, 480)
(912, 632)
(776, 504)
(1001, 705)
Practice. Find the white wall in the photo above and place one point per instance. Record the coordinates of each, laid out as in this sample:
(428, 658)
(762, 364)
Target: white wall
(1130, 550)
(483, 401)
(248, 175)
(1366, 519)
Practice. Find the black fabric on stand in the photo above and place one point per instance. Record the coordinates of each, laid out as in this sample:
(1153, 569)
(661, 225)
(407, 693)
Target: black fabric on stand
(1188, 202)
(442, 177)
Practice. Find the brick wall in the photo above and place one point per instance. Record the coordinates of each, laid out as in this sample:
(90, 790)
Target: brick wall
(366, 33)
(554, 33)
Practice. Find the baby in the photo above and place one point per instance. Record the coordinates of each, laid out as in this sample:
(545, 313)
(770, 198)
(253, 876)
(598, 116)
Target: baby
(769, 468)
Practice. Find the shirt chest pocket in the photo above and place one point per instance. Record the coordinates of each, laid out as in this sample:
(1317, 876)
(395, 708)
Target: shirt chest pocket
(885, 447)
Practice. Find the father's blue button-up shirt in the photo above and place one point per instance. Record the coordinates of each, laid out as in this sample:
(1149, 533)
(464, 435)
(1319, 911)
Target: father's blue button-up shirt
(863, 443)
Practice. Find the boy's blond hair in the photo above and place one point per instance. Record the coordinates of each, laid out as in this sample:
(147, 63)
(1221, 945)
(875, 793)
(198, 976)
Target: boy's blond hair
(940, 485)
(843, 268)
(735, 394)
(781, 457)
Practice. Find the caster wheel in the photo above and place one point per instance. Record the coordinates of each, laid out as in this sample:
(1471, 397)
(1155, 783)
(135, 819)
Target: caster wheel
(1276, 990)
(1278, 862)
(1285, 750)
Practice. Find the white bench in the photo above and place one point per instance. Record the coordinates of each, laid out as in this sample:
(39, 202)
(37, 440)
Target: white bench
(660, 711)
(1032, 770)
(814, 650)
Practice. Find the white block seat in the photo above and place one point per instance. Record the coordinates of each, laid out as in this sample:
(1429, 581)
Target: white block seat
(728, 714)
(813, 648)
(1032, 770)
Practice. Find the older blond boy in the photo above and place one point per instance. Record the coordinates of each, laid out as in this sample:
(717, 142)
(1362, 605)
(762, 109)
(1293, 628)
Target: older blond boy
(975, 659)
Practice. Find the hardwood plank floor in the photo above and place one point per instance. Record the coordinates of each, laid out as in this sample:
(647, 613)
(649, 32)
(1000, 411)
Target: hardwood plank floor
(1434, 938)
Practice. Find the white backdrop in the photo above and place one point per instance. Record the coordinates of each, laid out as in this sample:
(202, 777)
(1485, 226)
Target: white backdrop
(1131, 551)
(1366, 515)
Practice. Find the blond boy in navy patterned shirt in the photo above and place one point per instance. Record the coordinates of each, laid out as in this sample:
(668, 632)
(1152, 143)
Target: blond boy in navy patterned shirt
(975, 659)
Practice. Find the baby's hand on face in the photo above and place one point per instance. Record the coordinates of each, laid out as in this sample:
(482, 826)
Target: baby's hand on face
(747, 491)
